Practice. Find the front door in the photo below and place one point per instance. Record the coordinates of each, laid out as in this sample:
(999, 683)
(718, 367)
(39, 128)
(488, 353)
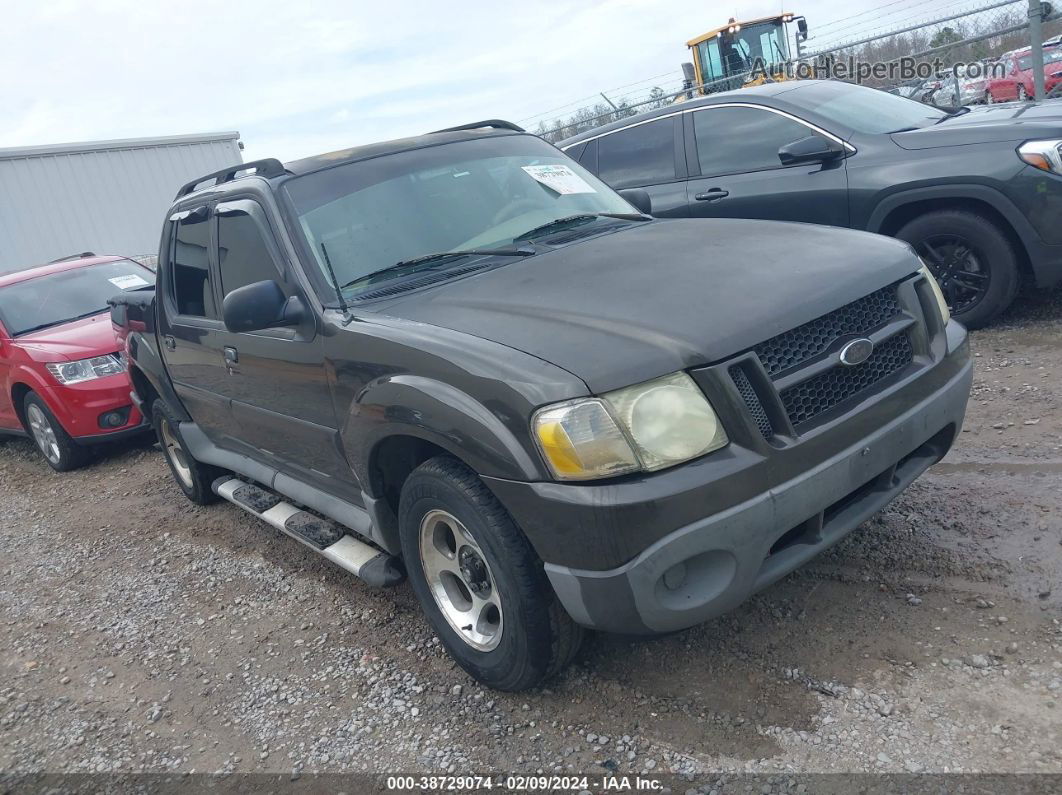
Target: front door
(735, 150)
(276, 379)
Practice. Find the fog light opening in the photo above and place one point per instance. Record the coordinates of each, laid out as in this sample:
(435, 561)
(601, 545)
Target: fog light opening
(114, 419)
(675, 576)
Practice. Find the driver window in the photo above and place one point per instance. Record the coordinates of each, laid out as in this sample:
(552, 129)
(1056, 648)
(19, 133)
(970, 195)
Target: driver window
(738, 139)
(243, 256)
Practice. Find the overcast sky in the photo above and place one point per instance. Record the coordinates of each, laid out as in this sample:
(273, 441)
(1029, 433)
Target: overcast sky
(299, 78)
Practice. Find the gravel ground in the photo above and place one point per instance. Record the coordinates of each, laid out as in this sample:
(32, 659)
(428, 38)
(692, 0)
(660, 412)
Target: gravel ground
(141, 633)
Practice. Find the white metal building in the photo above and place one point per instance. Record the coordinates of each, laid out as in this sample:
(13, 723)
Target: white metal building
(103, 196)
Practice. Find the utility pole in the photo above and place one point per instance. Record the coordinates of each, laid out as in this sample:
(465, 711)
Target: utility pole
(1036, 42)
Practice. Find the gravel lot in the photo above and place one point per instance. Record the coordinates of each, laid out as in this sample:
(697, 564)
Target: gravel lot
(141, 633)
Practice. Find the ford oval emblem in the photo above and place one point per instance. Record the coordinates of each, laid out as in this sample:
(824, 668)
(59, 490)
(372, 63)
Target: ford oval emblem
(856, 352)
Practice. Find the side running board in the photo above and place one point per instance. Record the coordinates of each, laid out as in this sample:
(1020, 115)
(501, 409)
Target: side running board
(372, 565)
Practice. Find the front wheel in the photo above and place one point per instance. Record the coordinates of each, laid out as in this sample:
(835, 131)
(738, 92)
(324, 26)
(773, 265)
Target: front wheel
(478, 580)
(1023, 95)
(192, 477)
(989, 100)
(972, 260)
(60, 451)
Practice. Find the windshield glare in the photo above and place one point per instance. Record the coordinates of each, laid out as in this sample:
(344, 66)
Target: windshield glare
(479, 194)
(1050, 56)
(863, 109)
(61, 297)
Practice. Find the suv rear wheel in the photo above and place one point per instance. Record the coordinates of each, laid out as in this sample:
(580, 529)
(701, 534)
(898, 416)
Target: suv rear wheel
(60, 451)
(972, 259)
(192, 477)
(479, 581)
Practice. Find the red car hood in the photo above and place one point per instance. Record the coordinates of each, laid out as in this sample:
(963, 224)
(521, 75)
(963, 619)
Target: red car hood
(80, 339)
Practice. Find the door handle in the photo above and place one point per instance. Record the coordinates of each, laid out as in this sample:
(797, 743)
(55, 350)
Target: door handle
(169, 342)
(232, 356)
(712, 195)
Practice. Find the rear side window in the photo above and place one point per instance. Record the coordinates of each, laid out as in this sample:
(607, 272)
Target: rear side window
(642, 155)
(735, 140)
(243, 255)
(193, 291)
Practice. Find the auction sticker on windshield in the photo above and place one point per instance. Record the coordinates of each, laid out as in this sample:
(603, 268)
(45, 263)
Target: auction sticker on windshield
(559, 178)
(128, 282)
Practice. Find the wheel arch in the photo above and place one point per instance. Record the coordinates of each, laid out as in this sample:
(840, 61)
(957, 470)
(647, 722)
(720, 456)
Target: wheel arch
(897, 210)
(398, 424)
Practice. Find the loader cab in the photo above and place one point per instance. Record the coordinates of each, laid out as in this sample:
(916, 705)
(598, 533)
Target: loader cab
(725, 58)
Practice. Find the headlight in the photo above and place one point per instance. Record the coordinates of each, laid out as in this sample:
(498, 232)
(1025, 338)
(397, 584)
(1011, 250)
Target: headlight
(945, 313)
(645, 427)
(1045, 155)
(87, 369)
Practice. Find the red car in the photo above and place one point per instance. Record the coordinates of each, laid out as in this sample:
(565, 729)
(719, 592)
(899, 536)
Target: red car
(1018, 82)
(63, 381)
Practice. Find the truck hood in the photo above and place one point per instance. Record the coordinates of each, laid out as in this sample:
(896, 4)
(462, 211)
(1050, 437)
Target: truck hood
(988, 124)
(661, 296)
(80, 339)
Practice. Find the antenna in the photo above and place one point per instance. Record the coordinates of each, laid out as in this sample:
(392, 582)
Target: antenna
(335, 281)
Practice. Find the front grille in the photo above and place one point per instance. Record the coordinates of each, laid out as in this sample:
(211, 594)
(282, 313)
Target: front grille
(808, 399)
(752, 401)
(793, 348)
(805, 369)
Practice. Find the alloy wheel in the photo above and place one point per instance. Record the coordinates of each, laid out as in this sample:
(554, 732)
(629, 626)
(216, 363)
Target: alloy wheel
(963, 277)
(460, 580)
(43, 433)
(175, 453)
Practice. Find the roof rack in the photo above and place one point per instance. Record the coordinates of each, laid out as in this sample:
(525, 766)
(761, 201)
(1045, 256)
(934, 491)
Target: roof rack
(69, 257)
(497, 124)
(267, 167)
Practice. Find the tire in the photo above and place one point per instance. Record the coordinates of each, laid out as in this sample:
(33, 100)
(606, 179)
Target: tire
(60, 451)
(978, 285)
(447, 517)
(192, 477)
(1023, 95)
(988, 98)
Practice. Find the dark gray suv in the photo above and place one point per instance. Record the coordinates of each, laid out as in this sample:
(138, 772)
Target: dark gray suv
(464, 358)
(976, 191)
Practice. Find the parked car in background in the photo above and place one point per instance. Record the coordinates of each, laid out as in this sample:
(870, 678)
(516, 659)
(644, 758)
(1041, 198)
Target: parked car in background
(976, 191)
(957, 90)
(912, 89)
(472, 355)
(1017, 85)
(63, 381)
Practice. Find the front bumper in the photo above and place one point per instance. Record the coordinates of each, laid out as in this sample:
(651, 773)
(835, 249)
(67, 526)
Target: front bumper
(713, 563)
(78, 408)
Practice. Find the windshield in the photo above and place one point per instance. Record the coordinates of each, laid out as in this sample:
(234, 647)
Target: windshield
(735, 54)
(1050, 56)
(478, 195)
(68, 295)
(860, 108)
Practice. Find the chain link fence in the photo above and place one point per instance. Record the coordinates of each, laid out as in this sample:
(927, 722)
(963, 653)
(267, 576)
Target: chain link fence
(926, 48)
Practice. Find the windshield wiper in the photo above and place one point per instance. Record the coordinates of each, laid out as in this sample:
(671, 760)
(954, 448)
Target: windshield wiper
(952, 113)
(580, 218)
(442, 256)
(51, 323)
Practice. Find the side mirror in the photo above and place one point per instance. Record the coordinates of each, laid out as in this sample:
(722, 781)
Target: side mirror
(813, 149)
(640, 198)
(260, 306)
(802, 28)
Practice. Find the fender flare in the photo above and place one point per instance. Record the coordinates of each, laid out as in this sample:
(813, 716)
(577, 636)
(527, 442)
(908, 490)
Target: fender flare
(435, 412)
(990, 196)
